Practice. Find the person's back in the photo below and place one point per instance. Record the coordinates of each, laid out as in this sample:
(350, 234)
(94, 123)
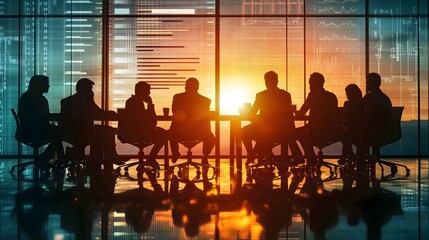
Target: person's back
(275, 110)
(78, 112)
(324, 122)
(377, 108)
(33, 112)
(144, 119)
(191, 119)
(191, 114)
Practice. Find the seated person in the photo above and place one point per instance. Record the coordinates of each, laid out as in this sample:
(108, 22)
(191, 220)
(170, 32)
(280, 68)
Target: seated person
(33, 111)
(78, 112)
(191, 119)
(274, 123)
(377, 109)
(146, 131)
(324, 123)
(351, 122)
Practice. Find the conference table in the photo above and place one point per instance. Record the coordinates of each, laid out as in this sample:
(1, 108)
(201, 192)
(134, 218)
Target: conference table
(235, 146)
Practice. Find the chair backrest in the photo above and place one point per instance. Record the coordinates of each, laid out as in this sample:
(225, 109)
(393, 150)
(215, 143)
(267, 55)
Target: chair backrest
(18, 131)
(126, 127)
(20, 136)
(391, 131)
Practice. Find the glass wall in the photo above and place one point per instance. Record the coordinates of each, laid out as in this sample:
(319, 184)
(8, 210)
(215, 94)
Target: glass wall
(227, 44)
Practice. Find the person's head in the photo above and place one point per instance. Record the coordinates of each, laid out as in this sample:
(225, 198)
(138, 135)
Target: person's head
(84, 87)
(353, 92)
(142, 89)
(39, 84)
(271, 79)
(373, 81)
(192, 85)
(316, 81)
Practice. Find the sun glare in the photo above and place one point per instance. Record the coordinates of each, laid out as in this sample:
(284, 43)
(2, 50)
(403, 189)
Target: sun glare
(231, 99)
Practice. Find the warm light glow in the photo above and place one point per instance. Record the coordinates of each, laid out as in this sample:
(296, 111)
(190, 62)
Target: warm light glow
(231, 99)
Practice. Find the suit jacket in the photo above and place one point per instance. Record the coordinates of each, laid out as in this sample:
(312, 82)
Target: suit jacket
(275, 111)
(77, 119)
(142, 120)
(191, 115)
(325, 119)
(33, 111)
(377, 111)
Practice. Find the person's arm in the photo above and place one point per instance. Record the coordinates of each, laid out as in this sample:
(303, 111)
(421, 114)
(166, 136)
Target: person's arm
(306, 106)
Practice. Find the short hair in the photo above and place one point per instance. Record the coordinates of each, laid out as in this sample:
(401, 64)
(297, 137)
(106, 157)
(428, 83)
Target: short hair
(354, 91)
(36, 80)
(271, 77)
(374, 78)
(317, 78)
(140, 86)
(192, 84)
(84, 84)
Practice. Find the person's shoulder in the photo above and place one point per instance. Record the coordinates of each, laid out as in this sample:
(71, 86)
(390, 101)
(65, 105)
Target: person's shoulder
(205, 99)
(67, 99)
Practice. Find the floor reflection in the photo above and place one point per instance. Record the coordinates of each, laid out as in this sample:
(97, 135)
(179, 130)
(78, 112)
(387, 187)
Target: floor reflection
(304, 206)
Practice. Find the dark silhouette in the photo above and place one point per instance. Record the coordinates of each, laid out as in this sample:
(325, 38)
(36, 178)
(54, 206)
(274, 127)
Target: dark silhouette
(377, 109)
(190, 209)
(33, 112)
(373, 206)
(145, 119)
(352, 120)
(273, 124)
(317, 206)
(191, 119)
(78, 113)
(324, 123)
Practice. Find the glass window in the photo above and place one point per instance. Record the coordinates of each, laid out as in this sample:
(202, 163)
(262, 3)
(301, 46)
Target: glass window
(335, 47)
(332, 7)
(393, 54)
(70, 7)
(262, 7)
(393, 7)
(9, 65)
(8, 7)
(163, 52)
(249, 48)
(161, 7)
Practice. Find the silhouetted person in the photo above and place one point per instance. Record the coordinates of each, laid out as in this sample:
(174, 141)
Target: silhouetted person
(322, 125)
(274, 123)
(377, 109)
(33, 111)
(318, 207)
(191, 119)
(145, 117)
(352, 121)
(78, 112)
(190, 210)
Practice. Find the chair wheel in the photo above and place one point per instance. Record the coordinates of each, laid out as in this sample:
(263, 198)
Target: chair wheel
(393, 169)
(126, 169)
(408, 173)
(118, 169)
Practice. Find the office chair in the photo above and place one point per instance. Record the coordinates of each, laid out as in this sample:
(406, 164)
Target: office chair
(390, 133)
(127, 134)
(320, 144)
(183, 168)
(31, 143)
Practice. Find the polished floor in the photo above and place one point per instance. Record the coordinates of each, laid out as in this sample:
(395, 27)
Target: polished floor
(116, 207)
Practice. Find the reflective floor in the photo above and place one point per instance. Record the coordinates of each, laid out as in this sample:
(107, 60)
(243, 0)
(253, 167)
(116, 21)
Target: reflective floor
(118, 207)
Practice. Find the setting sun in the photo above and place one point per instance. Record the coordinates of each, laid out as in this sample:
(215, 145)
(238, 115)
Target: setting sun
(231, 99)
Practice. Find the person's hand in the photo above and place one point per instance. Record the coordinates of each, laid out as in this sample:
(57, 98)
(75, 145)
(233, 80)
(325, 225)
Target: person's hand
(148, 100)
